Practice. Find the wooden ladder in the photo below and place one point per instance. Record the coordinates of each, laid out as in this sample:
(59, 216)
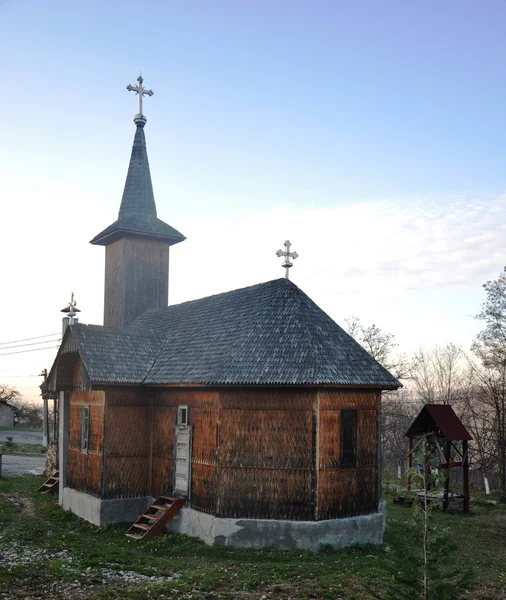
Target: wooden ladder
(155, 518)
(51, 485)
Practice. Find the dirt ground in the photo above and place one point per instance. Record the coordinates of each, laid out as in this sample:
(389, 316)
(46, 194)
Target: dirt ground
(23, 465)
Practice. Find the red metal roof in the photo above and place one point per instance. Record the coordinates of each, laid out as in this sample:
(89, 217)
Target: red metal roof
(441, 416)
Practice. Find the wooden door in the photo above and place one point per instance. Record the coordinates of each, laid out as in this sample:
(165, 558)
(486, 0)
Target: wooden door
(182, 468)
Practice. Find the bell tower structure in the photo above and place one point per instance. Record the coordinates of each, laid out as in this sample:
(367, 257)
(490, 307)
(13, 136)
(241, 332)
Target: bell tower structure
(137, 244)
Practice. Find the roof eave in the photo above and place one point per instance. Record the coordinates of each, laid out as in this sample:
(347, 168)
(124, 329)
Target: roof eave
(379, 387)
(113, 236)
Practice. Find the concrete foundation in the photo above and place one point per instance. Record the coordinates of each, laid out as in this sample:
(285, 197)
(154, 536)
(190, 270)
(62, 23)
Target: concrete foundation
(246, 533)
(101, 512)
(289, 535)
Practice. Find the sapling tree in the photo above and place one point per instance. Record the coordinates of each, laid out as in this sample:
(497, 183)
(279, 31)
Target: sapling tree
(423, 545)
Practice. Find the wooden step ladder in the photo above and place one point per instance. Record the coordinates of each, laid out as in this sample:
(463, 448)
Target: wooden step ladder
(153, 521)
(51, 485)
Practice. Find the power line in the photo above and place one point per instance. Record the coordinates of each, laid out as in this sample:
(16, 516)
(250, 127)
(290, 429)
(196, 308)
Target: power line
(30, 344)
(32, 350)
(38, 337)
(9, 376)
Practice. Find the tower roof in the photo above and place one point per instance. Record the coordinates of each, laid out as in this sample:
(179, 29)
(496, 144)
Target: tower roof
(137, 213)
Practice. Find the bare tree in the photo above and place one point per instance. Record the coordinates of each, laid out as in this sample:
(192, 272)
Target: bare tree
(26, 414)
(9, 394)
(440, 374)
(380, 345)
(397, 408)
(490, 348)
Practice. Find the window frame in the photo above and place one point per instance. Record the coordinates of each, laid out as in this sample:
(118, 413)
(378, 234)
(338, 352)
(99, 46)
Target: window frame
(351, 450)
(180, 420)
(85, 428)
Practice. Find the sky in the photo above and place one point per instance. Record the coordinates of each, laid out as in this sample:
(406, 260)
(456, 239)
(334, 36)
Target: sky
(370, 134)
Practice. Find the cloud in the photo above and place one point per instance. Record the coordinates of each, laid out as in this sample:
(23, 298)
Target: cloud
(407, 244)
(396, 262)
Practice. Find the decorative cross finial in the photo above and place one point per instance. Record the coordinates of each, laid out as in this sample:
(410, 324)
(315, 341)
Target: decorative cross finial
(141, 91)
(288, 255)
(71, 307)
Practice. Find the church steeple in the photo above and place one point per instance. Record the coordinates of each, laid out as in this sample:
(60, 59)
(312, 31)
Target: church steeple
(137, 213)
(137, 243)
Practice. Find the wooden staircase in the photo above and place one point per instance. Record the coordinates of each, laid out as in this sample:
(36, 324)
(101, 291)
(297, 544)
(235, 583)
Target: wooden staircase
(155, 518)
(51, 485)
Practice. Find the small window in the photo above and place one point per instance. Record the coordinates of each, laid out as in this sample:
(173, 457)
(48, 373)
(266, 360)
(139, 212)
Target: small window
(182, 415)
(348, 437)
(85, 428)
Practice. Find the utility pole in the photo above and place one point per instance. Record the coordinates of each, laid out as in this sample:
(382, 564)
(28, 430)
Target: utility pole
(45, 414)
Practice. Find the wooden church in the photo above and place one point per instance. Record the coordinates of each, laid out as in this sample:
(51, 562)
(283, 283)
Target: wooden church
(252, 407)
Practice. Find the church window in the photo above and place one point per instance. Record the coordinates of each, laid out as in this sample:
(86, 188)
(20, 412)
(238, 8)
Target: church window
(182, 415)
(348, 437)
(85, 428)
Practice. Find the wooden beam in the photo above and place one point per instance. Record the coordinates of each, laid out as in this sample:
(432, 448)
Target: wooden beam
(151, 435)
(448, 452)
(465, 453)
(410, 463)
(451, 465)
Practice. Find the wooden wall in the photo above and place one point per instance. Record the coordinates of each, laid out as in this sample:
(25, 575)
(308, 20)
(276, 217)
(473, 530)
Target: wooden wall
(127, 443)
(347, 491)
(257, 453)
(136, 279)
(266, 467)
(203, 411)
(84, 470)
(139, 436)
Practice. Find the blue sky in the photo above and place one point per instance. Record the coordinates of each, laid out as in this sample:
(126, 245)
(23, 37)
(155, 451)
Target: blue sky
(370, 133)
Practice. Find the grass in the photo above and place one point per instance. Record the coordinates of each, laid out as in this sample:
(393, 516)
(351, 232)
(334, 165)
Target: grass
(7, 428)
(26, 449)
(36, 523)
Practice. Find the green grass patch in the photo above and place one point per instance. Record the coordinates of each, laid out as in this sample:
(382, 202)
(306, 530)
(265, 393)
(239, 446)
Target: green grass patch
(6, 428)
(36, 523)
(26, 449)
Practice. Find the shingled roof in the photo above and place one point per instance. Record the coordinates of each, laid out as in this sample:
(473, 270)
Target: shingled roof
(137, 213)
(267, 334)
(442, 417)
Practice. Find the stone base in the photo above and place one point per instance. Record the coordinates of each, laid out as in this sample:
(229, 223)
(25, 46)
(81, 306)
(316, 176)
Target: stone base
(99, 511)
(246, 533)
(288, 535)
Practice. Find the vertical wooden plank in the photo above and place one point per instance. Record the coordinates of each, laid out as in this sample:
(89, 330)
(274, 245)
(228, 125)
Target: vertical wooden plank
(379, 453)
(218, 458)
(316, 454)
(410, 464)
(465, 459)
(448, 449)
(150, 451)
(103, 479)
(314, 484)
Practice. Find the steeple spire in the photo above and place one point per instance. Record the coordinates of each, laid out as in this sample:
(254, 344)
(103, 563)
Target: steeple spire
(138, 242)
(137, 213)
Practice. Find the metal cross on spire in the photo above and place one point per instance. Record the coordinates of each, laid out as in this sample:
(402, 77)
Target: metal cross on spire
(140, 91)
(288, 255)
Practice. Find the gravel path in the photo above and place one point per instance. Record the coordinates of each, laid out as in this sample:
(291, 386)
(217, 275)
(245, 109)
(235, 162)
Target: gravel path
(23, 465)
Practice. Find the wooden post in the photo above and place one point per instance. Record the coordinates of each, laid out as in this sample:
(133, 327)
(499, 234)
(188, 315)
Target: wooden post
(315, 463)
(45, 422)
(151, 436)
(448, 450)
(465, 465)
(56, 410)
(410, 464)
(63, 441)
